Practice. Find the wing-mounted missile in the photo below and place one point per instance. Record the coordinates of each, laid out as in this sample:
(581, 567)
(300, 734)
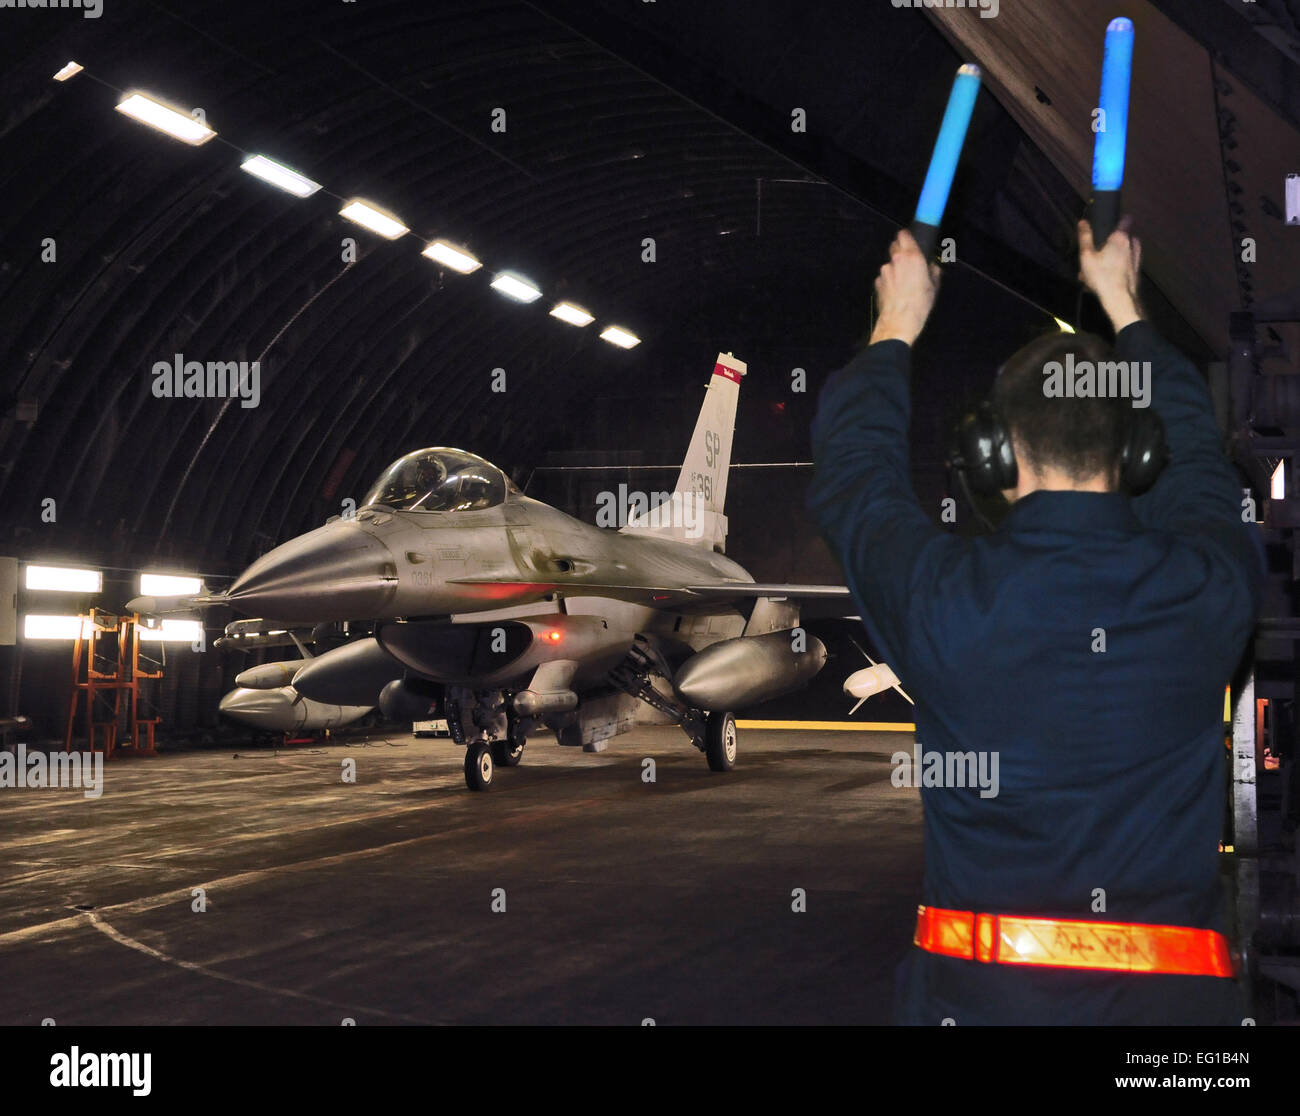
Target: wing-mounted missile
(734, 673)
(872, 680)
(875, 679)
(497, 652)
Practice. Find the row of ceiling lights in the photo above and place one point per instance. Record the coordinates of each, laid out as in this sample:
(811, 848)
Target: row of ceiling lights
(88, 582)
(191, 130)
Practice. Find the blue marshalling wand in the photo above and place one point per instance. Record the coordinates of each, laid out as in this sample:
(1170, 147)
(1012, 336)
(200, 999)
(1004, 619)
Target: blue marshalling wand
(943, 163)
(1112, 130)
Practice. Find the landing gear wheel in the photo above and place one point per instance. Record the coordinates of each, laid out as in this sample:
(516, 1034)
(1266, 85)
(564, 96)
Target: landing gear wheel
(720, 741)
(507, 753)
(478, 765)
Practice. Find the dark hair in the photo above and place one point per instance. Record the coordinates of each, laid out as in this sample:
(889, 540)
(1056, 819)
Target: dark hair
(1080, 436)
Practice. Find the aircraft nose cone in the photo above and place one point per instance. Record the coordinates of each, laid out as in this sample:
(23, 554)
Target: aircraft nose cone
(336, 572)
(264, 709)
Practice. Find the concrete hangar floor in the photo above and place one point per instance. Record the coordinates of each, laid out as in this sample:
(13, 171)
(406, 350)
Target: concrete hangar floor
(624, 900)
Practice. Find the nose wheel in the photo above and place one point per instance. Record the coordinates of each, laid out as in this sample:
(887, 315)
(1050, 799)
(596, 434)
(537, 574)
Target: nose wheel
(479, 765)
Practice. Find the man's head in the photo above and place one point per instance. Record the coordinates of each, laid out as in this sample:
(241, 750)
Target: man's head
(1061, 443)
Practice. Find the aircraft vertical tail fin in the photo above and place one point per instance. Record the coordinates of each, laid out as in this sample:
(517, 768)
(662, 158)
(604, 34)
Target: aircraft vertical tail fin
(693, 511)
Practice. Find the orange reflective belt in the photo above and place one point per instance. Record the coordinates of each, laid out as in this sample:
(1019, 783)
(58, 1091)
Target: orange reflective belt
(1128, 947)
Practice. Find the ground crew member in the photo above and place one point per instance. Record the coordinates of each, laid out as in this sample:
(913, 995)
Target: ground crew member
(1086, 644)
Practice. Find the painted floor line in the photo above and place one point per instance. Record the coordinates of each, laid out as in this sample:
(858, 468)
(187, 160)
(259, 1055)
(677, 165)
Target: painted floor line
(831, 726)
(349, 1011)
(239, 879)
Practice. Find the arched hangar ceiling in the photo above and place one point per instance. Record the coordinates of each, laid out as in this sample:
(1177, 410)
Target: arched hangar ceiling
(164, 249)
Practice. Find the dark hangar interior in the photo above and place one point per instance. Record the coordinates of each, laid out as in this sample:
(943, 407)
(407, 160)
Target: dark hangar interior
(720, 178)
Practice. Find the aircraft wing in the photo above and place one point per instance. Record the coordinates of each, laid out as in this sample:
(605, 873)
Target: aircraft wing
(667, 595)
(656, 595)
(773, 589)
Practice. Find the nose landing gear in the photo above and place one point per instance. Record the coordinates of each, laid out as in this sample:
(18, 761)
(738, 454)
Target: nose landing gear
(493, 735)
(479, 765)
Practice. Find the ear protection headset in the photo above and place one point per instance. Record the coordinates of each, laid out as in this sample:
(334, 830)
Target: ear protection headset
(986, 462)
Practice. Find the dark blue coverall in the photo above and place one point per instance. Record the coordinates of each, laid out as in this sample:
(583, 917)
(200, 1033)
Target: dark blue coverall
(1111, 763)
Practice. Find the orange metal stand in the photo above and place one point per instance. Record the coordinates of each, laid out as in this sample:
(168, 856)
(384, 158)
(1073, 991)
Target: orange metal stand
(99, 684)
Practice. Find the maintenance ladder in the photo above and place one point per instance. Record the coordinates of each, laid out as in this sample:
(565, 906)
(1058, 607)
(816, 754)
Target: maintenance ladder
(110, 674)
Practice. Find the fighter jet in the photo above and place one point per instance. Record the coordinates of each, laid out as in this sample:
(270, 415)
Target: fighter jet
(509, 615)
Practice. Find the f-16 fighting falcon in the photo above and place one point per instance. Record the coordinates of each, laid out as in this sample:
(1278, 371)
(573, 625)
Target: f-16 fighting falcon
(512, 615)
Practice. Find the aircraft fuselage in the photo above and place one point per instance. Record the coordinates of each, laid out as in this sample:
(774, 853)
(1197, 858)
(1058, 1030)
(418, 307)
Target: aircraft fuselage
(384, 564)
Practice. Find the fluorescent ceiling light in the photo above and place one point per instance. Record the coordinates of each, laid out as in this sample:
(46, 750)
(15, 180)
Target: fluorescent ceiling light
(515, 287)
(64, 580)
(373, 218)
(169, 585)
(277, 174)
(173, 631)
(620, 337)
(72, 69)
(455, 258)
(56, 627)
(175, 122)
(574, 315)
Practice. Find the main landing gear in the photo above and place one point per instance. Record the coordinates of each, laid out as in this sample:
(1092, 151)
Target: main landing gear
(714, 734)
(720, 741)
(494, 735)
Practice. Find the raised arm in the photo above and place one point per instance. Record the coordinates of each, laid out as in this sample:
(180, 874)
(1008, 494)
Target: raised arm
(1198, 491)
(861, 495)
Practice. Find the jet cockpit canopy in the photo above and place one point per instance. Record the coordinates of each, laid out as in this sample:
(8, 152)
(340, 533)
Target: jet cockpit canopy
(439, 479)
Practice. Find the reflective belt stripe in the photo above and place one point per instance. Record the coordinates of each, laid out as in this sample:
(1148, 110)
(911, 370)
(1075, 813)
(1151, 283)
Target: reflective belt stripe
(951, 935)
(985, 937)
(1073, 943)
